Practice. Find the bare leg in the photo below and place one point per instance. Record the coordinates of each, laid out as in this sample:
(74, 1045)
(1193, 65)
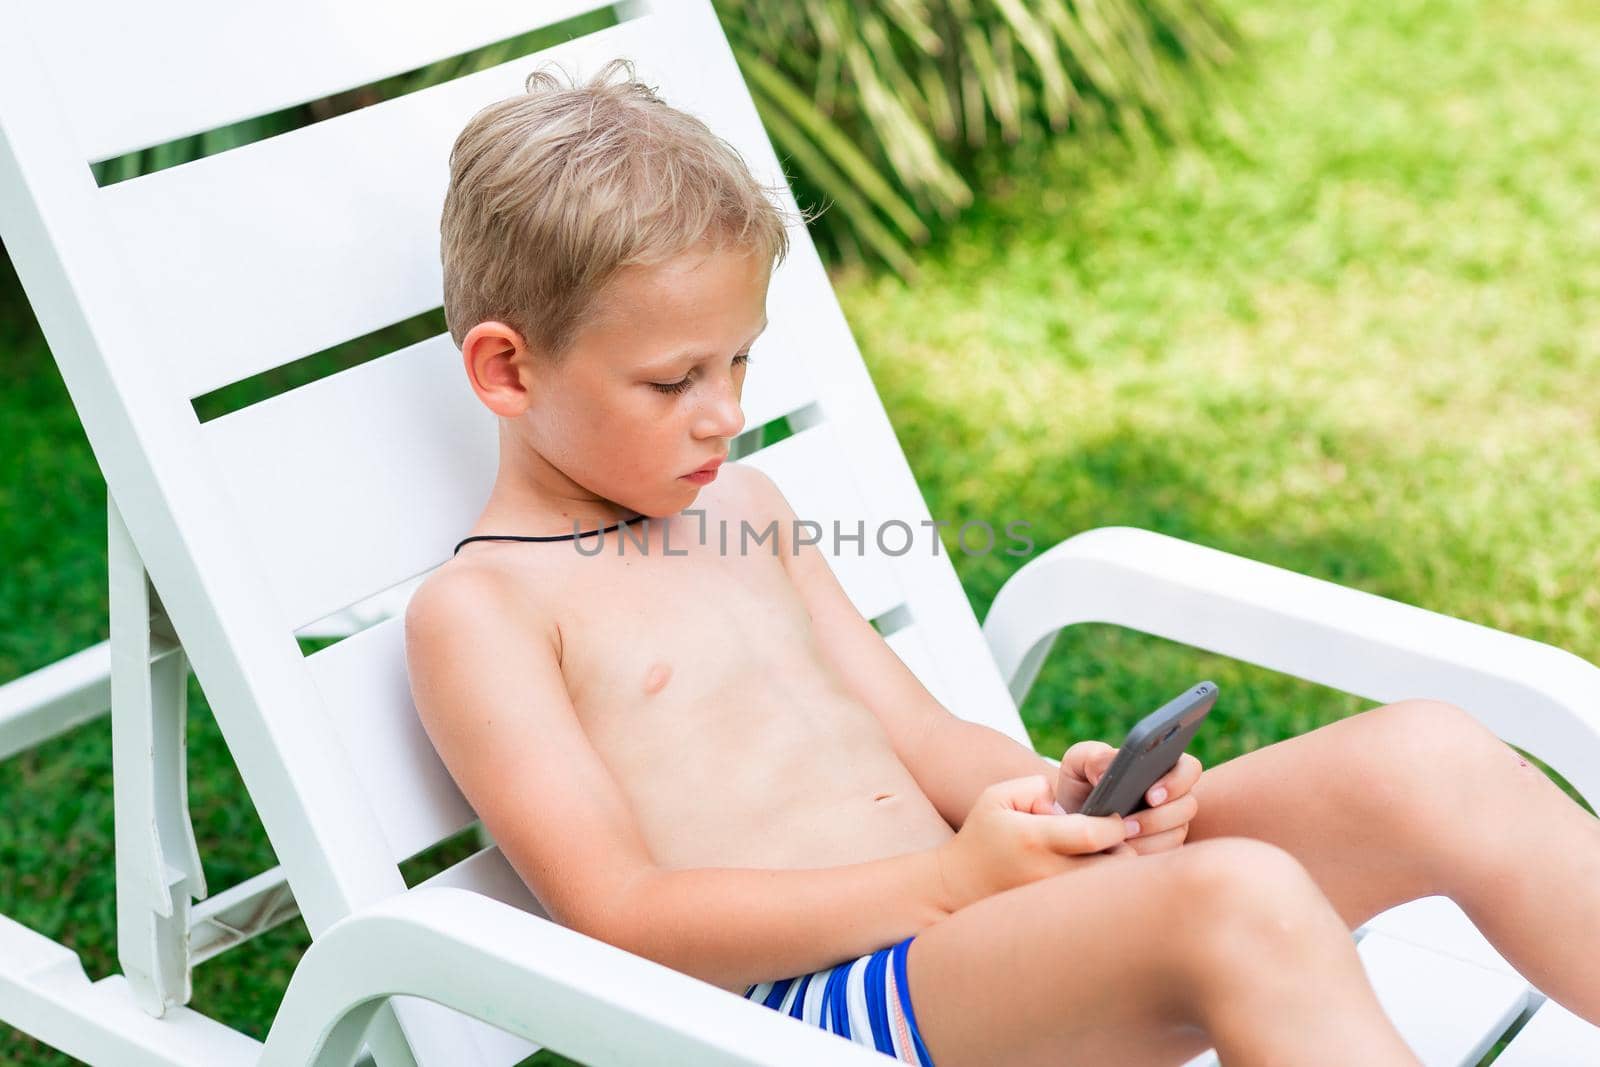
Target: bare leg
(1137, 960)
(1417, 798)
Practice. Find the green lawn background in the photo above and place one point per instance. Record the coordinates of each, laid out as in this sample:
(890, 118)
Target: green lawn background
(1353, 330)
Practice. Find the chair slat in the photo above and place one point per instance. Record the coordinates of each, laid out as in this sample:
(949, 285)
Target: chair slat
(222, 63)
(283, 248)
(328, 479)
(1438, 923)
(1554, 1037)
(358, 481)
(364, 683)
(1450, 1012)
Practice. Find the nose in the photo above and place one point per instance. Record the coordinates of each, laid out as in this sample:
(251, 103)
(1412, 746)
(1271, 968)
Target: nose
(722, 416)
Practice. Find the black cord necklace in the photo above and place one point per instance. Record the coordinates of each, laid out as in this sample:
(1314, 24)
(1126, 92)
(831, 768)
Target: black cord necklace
(548, 537)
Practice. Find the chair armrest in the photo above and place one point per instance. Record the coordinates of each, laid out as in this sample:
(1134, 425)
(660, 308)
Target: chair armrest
(1533, 695)
(535, 978)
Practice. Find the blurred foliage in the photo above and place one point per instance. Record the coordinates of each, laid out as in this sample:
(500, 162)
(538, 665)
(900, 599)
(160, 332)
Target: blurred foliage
(887, 108)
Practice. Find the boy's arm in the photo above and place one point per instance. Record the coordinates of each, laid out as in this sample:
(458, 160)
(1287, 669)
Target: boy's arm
(952, 759)
(487, 682)
(737, 926)
(971, 757)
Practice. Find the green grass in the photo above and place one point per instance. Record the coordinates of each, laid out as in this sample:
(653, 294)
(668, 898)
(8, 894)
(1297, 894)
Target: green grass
(1354, 331)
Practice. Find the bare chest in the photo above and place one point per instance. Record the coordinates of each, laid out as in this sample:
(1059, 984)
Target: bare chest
(695, 674)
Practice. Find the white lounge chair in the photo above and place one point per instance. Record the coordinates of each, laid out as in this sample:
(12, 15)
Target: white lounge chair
(159, 289)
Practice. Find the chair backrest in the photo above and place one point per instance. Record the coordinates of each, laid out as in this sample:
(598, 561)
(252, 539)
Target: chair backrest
(158, 289)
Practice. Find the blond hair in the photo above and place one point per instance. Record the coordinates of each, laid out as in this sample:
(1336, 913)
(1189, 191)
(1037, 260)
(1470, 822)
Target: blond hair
(554, 192)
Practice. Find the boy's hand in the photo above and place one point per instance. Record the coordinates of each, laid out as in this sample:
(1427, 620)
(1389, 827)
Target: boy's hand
(1163, 825)
(1003, 843)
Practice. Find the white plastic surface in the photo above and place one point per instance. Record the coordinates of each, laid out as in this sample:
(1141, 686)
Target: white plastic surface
(151, 73)
(291, 245)
(55, 698)
(44, 992)
(365, 688)
(1450, 1012)
(531, 977)
(360, 449)
(1554, 1037)
(1438, 923)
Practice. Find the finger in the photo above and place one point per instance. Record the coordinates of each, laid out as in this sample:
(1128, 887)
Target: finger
(1165, 841)
(1073, 782)
(1173, 813)
(1076, 834)
(1176, 782)
(1114, 852)
(1083, 752)
(1070, 794)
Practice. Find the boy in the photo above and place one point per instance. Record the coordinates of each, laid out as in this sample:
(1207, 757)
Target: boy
(707, 756)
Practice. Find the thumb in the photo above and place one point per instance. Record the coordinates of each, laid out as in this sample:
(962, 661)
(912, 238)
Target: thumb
(1097, 765)
(1085, 754)
(1079, 834)
(1031, 794)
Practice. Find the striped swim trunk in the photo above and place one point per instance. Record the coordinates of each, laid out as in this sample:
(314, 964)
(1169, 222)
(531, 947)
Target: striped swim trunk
(866, 1000)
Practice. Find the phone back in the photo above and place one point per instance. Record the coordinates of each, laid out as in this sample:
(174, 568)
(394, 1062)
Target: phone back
(1152, 749)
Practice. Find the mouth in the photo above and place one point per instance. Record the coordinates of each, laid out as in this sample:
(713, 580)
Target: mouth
(705, 474)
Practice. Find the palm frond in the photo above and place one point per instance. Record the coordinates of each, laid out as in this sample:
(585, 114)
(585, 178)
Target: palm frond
(920, 88)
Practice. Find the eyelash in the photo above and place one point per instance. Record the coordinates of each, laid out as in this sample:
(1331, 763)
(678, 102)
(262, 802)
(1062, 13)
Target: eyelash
(683, 384)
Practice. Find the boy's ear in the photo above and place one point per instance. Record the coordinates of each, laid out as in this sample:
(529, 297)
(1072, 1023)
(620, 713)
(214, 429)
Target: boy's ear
(497, 362)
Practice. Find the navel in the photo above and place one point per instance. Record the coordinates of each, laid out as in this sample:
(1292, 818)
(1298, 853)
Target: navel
(658, 677)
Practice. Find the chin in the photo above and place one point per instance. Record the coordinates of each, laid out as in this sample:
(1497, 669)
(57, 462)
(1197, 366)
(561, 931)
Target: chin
(668, 505)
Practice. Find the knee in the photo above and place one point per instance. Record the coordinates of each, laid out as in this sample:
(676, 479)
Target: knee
(1419, 762)
(1248, 905)
(1430, 724)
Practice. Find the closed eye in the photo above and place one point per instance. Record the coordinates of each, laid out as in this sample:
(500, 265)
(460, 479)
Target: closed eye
(683, 383)
(671, 387)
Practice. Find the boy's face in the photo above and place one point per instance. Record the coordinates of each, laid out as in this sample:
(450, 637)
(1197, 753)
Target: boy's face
(650, 391)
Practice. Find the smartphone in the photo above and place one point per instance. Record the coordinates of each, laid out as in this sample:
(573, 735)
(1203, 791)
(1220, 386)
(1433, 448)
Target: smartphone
(1151, 749)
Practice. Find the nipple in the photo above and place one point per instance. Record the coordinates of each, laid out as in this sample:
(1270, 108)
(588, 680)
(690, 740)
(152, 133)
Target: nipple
(657, 679)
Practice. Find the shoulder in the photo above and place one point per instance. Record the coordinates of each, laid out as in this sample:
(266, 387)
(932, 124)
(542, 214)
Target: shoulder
(753, 492)
(755, 499)
(450, 590)
(468, 604)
